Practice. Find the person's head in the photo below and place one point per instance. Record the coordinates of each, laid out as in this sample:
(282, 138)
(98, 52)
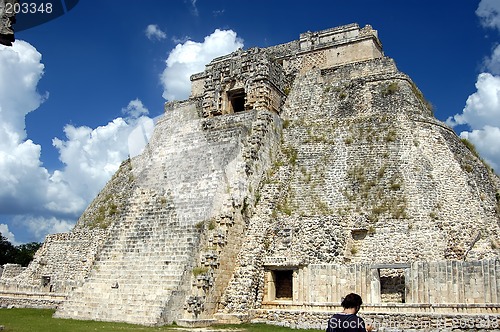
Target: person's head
(352, 301)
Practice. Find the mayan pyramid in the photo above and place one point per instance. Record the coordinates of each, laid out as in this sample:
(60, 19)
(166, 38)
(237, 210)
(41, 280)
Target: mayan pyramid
(292, 175)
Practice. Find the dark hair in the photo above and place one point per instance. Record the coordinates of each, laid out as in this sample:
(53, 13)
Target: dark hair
(352, 301)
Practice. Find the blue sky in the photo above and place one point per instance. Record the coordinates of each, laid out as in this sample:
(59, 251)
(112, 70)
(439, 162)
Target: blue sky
(73, 89)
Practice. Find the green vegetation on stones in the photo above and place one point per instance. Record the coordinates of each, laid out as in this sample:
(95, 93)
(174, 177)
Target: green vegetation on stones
(467, 165)
(390, 89)
(318, 136)
(285, 208)
(421, 97)
(212, 224)
(395, 186)
(107, 209)
(391, 135)
(348, 140)
(323, 208)
(470, 146)
(290, 153)
(375, 192)
(257, 198)
(199, 270)
(286, 123)
(113, 209)
(267, 243)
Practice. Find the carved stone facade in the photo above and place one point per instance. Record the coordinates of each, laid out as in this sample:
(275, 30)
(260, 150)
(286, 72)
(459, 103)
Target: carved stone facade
(241, 81)
(293, 175)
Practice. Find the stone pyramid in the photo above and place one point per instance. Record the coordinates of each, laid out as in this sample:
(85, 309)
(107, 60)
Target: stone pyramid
(292, 175)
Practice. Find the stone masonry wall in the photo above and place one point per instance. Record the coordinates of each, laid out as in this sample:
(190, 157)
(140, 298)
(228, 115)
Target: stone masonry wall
(30, 300)
(10, 271)
(441, 296)
(360, 177)
(348, 139)
(61, 264)
(222, 240)
(333, 47)
(444, 282)
(454, 282)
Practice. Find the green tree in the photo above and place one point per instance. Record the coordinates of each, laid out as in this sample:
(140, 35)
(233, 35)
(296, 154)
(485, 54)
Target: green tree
(21, 254)
(25, 252)
(7, 251)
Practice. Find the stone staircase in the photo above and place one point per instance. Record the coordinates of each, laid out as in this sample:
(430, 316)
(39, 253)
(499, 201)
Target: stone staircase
(140, 269)
(143, 273)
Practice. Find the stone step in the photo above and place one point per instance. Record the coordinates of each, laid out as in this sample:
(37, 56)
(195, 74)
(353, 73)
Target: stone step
(115, 298)
(153, 300)
(153, 283)
(131, 314)
(105, 276)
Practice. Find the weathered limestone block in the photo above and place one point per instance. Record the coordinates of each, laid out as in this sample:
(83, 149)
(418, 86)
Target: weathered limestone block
(11, 271)
(60, 265)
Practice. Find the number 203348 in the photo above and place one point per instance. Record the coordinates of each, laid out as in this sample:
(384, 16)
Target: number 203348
(29, 8)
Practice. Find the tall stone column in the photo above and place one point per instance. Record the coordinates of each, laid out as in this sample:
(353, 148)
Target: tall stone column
(375, 286)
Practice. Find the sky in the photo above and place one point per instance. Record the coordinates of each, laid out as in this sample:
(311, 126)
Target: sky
(74, 90)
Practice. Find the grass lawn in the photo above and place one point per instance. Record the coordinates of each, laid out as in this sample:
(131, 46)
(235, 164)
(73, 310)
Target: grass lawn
(40, 320)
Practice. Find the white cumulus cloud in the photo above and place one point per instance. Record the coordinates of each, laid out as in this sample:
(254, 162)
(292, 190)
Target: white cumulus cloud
(135, 109)
(4, 230)
(92, 155)
(492, 63)
(191, 57)
(486, 141)
(22, 179)
(483, 106)
(41, 201)
(482, 109)
(40, 226)
(153, 32)
(489, 13)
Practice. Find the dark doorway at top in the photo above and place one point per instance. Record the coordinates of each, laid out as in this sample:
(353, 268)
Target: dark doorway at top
(237, 100)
